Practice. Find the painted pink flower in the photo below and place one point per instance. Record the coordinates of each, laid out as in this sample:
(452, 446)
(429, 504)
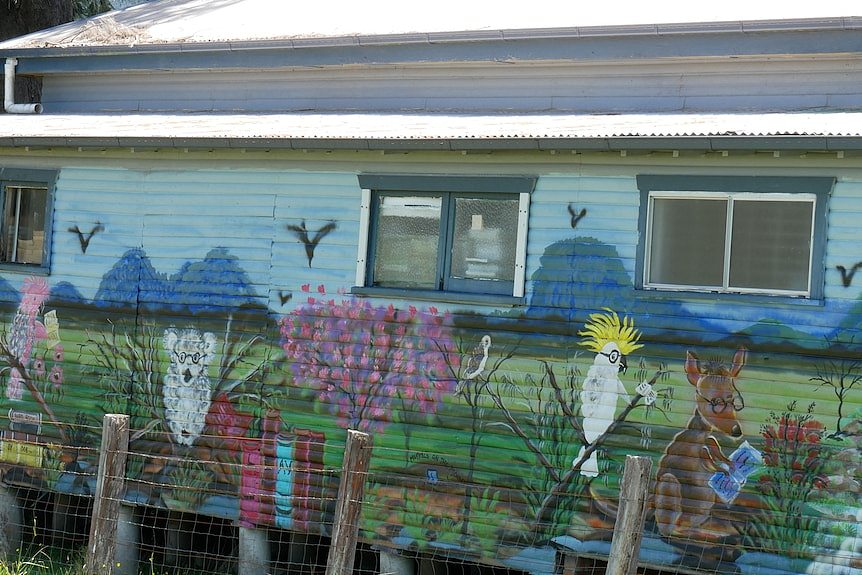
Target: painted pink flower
(56, 376)
(15, 386)
(39, 367)
(58, 352)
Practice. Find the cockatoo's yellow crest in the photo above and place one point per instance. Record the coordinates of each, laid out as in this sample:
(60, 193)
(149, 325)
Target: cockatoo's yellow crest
(606, 327)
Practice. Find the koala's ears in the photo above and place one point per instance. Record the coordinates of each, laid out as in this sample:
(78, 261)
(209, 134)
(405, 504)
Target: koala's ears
(171, 339)
(209, 343)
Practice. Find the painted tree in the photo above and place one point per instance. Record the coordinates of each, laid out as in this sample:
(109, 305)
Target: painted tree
(841, 375)
(364, 362)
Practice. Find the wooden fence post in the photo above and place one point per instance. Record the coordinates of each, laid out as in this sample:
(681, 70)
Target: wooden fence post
(625, 546)
(101, 548)
(342, 551)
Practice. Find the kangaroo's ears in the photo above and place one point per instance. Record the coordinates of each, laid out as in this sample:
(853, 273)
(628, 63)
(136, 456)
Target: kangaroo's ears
(692, 369)
(738, 361)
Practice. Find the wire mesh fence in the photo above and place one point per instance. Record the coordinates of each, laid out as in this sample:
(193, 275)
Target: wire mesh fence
(277, 510)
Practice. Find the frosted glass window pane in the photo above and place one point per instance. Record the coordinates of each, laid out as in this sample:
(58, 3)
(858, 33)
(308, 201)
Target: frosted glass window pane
(687, 246)
(485, 237)
(408, 235)
(771, 245)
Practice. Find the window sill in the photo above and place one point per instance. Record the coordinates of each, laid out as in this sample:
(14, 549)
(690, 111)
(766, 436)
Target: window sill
(440, 296)
(724, 297)
(25, 269)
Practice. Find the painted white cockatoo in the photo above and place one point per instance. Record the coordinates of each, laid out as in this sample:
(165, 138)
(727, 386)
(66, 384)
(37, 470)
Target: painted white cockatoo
(612, 341)
(474, 364)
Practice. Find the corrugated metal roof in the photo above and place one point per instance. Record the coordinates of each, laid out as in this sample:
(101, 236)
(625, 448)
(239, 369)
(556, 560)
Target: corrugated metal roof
(196, 21)
(437, 131)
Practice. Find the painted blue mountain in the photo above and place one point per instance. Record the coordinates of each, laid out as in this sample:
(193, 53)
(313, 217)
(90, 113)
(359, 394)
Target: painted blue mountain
(214, 284)
(65, 292)
(120, 287)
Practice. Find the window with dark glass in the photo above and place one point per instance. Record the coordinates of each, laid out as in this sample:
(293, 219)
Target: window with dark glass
(453, 234)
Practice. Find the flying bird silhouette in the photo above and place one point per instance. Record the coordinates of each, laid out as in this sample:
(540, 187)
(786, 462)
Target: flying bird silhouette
(85, 240)
(847, 277)
(310, 244)
(576, 217)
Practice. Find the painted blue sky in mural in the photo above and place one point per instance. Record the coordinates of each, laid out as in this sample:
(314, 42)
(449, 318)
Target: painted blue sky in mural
(578, 273)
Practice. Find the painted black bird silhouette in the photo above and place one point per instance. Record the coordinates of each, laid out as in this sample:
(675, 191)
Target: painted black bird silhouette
(85, 239)
(310, 244)
(576, 217)
(847, 277)
(284, 297)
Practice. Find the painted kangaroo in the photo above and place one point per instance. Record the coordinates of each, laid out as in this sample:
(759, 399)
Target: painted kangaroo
(684, 500)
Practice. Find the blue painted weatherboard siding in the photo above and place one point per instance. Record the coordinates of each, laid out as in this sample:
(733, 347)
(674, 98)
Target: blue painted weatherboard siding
(187, 249)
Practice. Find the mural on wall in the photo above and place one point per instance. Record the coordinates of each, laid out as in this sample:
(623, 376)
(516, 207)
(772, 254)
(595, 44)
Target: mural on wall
(502, 435)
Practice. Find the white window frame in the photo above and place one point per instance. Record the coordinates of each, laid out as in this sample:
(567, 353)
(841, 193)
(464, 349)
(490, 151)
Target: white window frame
(730, 198)
(478, 185)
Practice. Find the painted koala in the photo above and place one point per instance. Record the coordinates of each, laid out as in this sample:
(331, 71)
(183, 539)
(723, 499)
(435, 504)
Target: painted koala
(186, 391)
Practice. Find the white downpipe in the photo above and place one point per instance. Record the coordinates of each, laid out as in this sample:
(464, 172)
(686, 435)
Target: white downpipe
(9, 92)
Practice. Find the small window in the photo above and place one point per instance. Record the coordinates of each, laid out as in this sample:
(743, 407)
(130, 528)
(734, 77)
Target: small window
(25, 196)
(734, 235)
(464, 234)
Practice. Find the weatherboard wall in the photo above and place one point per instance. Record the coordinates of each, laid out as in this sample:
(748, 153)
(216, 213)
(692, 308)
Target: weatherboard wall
(580, 86)
(157, 260)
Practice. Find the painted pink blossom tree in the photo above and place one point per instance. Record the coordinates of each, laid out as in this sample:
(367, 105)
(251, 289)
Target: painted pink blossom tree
(369, 363)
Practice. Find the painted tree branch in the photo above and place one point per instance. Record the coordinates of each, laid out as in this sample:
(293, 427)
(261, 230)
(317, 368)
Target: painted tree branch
(564, 482)
(515, 427)
(558, 393)
(15, 363)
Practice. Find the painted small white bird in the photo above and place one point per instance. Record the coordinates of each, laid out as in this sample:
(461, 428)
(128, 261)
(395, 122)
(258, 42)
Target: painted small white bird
(602, 387)
(474, 364)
